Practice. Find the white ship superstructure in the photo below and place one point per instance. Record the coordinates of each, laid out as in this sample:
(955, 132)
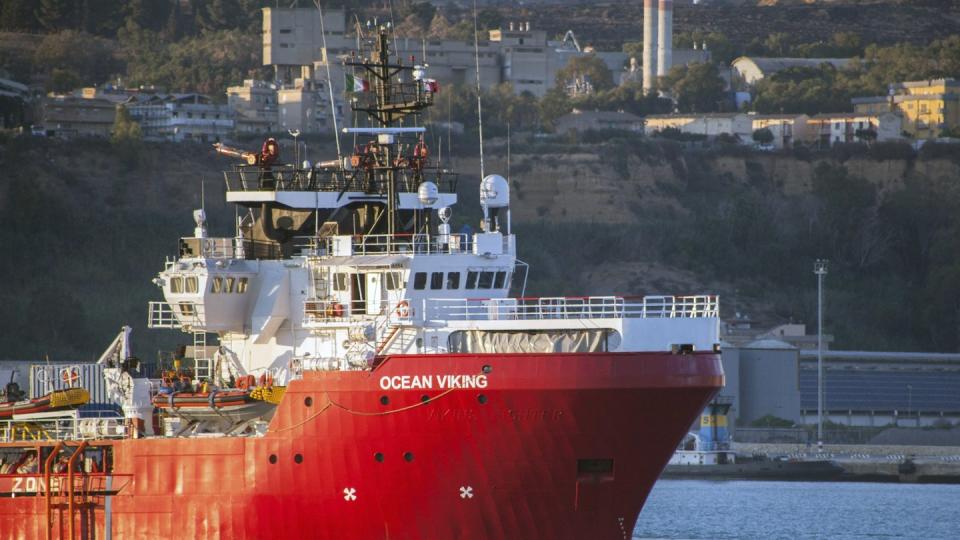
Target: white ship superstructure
(342, 300)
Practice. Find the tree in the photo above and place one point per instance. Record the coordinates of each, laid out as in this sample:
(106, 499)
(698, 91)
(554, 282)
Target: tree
(867, 135)
(63, 80)
(553, 105)
(125, 130)
(18, 16)
(588, 67)
(763, 136)
(695, 87)
(90, 58)
(56, 14)
(148, 14)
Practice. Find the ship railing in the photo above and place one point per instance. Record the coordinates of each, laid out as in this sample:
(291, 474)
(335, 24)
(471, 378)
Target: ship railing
(393, 244)
(65, 427)
(332, 311)
(227, 248)
(290, 178)
(578, 307)
(174, 316)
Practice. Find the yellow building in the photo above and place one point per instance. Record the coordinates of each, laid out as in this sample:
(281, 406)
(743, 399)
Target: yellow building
(928, 107)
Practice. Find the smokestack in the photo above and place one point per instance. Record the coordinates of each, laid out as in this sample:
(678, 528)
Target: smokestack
(649, 45)
(665, 37)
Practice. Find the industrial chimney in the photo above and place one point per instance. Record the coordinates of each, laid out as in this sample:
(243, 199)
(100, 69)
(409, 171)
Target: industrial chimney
(665, 37)
(649, 45)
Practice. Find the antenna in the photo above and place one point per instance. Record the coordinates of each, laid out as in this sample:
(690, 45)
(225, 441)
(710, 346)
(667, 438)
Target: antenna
(476, 55)
(508, 151)
(333, 106)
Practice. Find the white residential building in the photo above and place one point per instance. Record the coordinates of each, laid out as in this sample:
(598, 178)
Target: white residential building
(181, 117)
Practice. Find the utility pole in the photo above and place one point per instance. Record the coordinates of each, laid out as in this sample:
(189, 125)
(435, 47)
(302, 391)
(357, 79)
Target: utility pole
(820, 269)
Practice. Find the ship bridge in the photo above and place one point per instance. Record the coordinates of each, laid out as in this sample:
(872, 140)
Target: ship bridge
(323, 187)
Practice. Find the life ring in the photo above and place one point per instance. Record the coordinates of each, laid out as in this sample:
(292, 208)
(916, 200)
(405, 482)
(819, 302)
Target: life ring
(403, 309)
(70, 376)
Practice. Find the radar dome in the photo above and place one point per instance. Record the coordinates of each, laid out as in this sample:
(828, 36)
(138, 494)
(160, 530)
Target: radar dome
(494, 191)
(428, 193)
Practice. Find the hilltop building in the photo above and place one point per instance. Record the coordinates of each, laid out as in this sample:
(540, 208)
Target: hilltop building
(181, 117)
(748, 71)
(73, 115)
(14, 99)
(578, 120)
(828, 129)
(709, 125)
(517, 53)
(928, 108)
(786, 128)
(255, 106)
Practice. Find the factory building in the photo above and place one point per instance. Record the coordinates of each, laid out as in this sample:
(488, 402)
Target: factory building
(747, 71)
(869, 388)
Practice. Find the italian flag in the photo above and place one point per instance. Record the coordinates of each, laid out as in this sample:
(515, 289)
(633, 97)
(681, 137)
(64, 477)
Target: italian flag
(356, 84)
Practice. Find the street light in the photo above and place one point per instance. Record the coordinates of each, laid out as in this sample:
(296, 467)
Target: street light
(910, 400)
(820, 269)
(296, 146)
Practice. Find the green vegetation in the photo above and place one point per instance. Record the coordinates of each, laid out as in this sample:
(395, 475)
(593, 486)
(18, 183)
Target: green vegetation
(587, 67)
(827, 89)
(696, 87)
(763, 136)
(770, 421)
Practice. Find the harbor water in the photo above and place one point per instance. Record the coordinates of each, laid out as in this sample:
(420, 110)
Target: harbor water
(699, 509)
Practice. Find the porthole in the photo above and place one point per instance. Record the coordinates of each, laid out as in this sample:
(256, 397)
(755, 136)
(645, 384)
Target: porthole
(384, 400)
(308, 401)
(379, 457)
(408, 456)
(273, 459)
(298, 458)
(425, 398)
(487, 368)
(482, 399)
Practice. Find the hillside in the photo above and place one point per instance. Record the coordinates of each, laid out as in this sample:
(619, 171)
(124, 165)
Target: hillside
(85, 226)
(606, 25)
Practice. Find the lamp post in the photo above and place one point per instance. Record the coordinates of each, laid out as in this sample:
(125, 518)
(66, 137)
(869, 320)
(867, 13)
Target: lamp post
(910, 400)
(296, 147)
(820, 269)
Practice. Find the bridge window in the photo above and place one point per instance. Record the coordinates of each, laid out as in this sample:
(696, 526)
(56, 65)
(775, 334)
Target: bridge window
(242, 285)
(191, 283)
(394, 281)
(340, 282)
(176, 284)
(436, 280)
(216, 286)
(228, 288)
(499, 280)
(453, 280)
(472, 279)
(419, 280)
(485, 281)
(186, 309)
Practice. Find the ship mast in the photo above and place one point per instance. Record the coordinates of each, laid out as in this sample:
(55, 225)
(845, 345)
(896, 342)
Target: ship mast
(394, 100)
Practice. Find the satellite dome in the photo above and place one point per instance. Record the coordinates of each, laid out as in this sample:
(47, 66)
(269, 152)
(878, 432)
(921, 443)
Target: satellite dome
(494, 191)
(428, 193)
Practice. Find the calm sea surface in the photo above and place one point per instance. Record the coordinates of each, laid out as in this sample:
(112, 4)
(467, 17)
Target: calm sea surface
(739, 509)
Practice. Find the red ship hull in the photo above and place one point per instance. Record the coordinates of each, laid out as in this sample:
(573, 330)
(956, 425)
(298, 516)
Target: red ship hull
(541, 446)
